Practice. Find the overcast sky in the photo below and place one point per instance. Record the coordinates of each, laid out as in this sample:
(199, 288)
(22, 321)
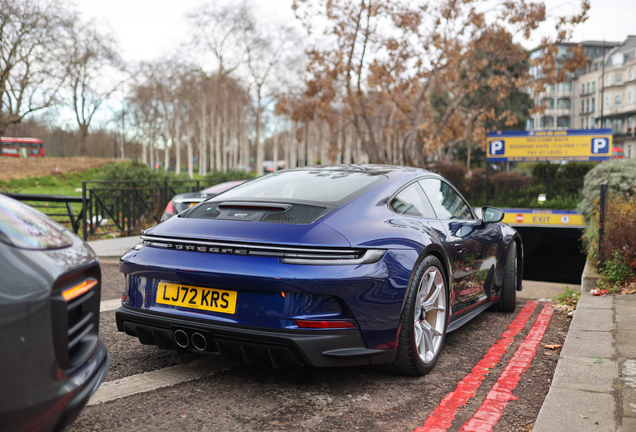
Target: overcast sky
(147, 29)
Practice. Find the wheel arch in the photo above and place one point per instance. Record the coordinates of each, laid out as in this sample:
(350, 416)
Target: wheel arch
(436, 251)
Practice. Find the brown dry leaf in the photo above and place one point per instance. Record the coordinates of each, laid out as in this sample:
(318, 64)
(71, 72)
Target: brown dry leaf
(582, 416)
(553, 347)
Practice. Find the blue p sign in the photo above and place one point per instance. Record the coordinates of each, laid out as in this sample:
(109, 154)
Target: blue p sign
(497, 147)
(600, 145)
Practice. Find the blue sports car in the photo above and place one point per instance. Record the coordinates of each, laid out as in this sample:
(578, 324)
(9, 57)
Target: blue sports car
(326, 266)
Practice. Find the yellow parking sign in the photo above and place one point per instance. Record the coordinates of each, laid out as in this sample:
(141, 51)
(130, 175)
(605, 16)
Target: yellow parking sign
(550, 145)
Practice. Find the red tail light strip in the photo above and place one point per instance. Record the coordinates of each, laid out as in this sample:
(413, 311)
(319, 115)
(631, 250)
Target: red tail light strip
(324, 324)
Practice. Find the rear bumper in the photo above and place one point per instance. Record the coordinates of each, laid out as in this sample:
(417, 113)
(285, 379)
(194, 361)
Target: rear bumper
(252, 345)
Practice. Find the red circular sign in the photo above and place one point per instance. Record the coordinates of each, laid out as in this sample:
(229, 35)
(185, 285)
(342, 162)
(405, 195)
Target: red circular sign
(519, 218)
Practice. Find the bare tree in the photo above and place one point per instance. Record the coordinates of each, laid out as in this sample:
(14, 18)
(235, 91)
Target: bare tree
(266, 49)
(31, 47)
(217, 28)
(95, 72)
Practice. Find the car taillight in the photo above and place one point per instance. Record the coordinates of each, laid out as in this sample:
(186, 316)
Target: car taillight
(170, 208)
(323, 324)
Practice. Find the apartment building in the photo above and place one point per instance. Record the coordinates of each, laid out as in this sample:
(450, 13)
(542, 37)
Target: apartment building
(560, 99)
(607, 95)
(600, 95)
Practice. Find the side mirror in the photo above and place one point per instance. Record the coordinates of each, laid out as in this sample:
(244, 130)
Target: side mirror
(491, 214)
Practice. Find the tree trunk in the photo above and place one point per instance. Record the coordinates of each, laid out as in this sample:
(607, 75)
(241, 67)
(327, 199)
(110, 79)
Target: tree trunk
(83, 133)
(203, 160)
(259, 145)
(275, 141)
(190, 152)
(217, 144)
(177, 144)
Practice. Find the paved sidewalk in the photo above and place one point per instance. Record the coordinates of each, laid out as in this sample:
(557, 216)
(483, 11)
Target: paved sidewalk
(113, 247)
(594, 385)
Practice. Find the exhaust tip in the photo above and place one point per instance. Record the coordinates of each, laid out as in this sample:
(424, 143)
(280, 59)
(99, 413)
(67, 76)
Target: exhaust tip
(181, 338)
(199, 341)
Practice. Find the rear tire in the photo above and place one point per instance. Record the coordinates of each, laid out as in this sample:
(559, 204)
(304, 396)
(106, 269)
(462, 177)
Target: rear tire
(508, 297)
(424, 321)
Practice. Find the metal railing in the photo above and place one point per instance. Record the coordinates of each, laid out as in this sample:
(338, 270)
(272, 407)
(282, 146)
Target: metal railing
(123, 208)
(57, 207)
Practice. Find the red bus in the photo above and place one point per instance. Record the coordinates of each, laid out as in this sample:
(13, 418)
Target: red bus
(22, 147)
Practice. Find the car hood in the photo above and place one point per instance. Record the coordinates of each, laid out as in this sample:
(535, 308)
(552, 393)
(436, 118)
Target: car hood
(315, 234)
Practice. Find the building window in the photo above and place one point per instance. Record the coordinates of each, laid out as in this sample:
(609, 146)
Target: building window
(593, 122)
(564, 103)
(593, 86)
(592, 104)
(582, 106)
(619, 78)
(628, 151)
(629, 122)
(582, 124)
(582, 88)
(564, 86)
(547, 122)
(608, 80)
(631, 74)
(618, 99)
(618, 59)
(617, 125)
(607, 124)
(588, 105)
(588, 87)
(587, 123)
(607, 101)
(563, 122)
(548, 102)
(630, 97)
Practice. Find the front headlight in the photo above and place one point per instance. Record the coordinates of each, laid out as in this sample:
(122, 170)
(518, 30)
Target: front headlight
(26, 228)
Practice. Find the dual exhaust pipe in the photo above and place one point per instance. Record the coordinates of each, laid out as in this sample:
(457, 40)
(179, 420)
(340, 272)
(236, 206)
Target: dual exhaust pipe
(197, 340)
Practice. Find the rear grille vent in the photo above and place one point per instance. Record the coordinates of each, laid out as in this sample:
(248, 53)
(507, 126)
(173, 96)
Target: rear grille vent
(299, 214)
(296, 214)
(76, 322)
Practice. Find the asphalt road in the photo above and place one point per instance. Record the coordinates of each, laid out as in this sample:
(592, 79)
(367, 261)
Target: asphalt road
(152, 389)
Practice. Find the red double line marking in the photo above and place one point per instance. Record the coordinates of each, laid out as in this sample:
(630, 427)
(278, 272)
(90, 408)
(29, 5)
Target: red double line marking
(497, 399)
(442, 417)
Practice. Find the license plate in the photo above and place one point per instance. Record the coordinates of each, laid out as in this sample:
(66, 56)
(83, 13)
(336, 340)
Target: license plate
(187, 296)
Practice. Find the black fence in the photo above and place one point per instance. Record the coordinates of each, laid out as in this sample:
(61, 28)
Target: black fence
(58, 207)
(123, 208)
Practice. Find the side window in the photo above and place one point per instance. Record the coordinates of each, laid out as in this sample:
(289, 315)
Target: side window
(411, 201)
(445, 201)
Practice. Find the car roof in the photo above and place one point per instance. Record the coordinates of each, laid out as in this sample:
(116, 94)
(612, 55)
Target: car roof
(372, 169)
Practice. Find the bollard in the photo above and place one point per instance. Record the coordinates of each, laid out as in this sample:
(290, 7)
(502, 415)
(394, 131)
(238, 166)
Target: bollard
(601, 218)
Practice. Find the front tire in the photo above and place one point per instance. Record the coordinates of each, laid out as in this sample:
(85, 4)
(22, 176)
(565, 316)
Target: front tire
(508, 297)
(424, 321)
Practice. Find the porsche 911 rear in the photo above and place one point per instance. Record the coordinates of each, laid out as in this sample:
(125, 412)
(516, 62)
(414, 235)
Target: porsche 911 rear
(257, 274)
(264, 303)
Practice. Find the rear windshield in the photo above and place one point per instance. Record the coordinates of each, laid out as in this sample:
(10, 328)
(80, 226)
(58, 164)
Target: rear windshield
(320, 185)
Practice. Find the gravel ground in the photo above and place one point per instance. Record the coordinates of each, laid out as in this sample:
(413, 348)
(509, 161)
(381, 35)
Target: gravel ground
(339, 399)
